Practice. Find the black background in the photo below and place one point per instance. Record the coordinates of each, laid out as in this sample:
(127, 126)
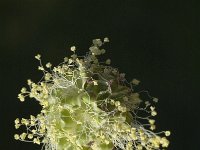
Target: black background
(155, 41)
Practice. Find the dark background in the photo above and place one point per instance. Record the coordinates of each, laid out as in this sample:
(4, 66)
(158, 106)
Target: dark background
(155, 41)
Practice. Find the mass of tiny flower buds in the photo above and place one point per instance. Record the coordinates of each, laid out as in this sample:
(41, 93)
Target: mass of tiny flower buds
(89, 105)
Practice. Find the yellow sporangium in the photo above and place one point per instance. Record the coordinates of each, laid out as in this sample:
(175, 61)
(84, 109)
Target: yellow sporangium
(89, 105)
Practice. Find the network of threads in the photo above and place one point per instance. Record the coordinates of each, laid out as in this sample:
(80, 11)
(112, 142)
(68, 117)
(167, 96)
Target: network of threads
(87, 104)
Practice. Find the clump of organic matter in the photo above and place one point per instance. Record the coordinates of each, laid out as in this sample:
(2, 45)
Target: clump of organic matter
(88, 105)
